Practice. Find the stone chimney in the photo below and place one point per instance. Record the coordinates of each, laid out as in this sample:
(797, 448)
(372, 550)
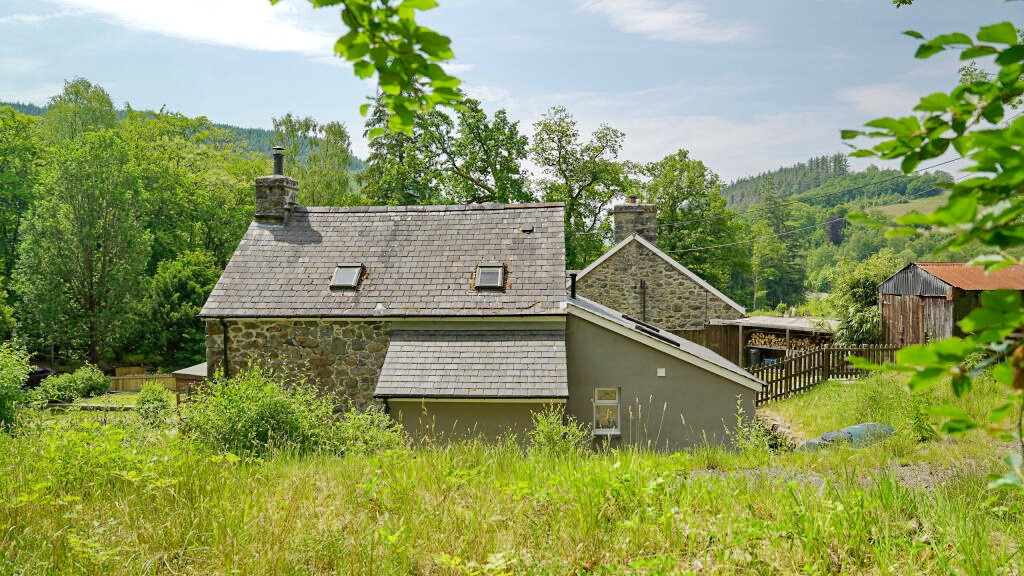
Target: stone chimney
(275, 194)
(630, 218)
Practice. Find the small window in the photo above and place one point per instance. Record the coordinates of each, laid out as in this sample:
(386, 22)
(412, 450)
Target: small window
(606, 411)
(490, 276)
(347, 276)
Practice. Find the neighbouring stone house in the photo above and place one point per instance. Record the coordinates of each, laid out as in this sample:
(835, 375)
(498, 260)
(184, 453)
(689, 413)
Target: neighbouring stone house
(457, 321)
(637, 279)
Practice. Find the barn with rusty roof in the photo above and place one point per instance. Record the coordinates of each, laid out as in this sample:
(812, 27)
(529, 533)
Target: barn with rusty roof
(925, 300)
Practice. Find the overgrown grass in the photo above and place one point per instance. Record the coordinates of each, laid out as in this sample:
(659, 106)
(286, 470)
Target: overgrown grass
(83, 498)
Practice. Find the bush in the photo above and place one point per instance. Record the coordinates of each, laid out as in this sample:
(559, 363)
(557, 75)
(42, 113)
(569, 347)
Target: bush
(557, 433)
(367, 432)
(86, 382)
(62, 388)
(14, 370)
(91, 381)
(155, 405)
(252, 413)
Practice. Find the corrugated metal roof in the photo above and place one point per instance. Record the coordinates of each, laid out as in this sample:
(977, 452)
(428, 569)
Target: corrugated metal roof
(912, 280)
(966, 277)
(801, 323)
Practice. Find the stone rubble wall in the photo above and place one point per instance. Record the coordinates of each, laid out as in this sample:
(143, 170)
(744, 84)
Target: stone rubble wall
(341, 357)
(674, 301)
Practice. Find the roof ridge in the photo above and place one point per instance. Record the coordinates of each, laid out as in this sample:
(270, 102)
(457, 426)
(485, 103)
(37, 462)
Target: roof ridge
(428, 207)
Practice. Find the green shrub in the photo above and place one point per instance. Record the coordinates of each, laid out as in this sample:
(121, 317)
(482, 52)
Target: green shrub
(368, 432)
(252, 413)
(155, 405)
(86, 382)
(14, 369)
(555, 432)
(62, 388)
(91, 381)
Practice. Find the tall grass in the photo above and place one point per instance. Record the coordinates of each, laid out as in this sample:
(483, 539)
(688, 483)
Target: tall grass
(78, 497)
(90, 499)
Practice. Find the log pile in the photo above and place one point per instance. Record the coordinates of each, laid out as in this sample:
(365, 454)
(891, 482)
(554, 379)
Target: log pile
(796, 342)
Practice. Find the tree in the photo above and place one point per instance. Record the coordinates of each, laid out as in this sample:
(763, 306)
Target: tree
(586, 176)
(473, 159)
(81, 107)
(986, 209)
(692, 214)
(320, 158)
(784, 282)
(173, 334)
(854, 297)
(83, 249)
(195, 182)
(396, 173)
(20, 156)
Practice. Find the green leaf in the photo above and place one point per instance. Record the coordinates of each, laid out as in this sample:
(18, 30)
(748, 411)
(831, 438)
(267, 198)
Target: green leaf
(1002, 33)
(1011, 55)
(848, 134)
(999, 414)
(364, 109)
(891, 124)
(927, 50)
(419, 4)
(914, 34)
(953, 38)
(938, 102)
(364, 69)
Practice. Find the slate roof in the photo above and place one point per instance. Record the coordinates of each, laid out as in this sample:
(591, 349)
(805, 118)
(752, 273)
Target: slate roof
(475, 364)
(668, 259)
(651, 334)
(420, 261)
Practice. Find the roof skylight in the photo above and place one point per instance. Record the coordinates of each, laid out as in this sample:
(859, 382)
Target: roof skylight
(490, 275)
(347, 275)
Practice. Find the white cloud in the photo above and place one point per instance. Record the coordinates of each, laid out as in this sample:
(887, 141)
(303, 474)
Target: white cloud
(893, 99)
(668, 21)
(12, 65)
(246, 24)
(37, 94)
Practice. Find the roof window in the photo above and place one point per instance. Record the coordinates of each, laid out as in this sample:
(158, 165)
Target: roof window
(347, 275)
(490, 275)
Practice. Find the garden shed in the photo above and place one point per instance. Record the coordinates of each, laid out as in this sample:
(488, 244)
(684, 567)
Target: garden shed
(925, 300)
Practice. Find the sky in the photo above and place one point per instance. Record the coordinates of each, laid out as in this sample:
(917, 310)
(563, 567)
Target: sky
(745, 85)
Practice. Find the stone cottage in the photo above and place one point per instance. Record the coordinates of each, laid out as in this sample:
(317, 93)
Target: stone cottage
(457, 321)
(637, 279)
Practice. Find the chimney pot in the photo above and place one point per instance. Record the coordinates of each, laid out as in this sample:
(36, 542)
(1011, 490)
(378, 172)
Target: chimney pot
(278, 160)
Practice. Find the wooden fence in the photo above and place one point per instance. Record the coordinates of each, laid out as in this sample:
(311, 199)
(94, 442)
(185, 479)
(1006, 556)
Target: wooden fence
(813, 367)
(134, 382)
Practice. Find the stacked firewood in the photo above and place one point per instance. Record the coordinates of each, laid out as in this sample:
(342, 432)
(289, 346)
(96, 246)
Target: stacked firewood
(773, 340)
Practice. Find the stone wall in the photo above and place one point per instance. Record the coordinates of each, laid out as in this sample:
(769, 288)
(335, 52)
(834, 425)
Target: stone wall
(673, 301)
(341, 357)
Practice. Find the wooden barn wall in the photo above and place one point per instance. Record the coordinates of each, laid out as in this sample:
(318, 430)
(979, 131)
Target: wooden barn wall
(724, 340)
(915, 319)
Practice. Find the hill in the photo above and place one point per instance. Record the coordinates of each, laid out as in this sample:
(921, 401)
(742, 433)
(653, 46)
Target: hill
(257, 140)
(826, 182)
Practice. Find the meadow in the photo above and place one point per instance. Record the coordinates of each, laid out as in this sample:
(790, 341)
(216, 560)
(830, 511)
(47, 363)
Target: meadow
(81, 493)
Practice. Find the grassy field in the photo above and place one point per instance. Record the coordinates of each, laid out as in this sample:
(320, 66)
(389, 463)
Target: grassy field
(79, 497)
(922, 205)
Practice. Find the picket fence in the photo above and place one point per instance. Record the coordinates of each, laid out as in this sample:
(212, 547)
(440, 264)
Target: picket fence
(808, 369)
